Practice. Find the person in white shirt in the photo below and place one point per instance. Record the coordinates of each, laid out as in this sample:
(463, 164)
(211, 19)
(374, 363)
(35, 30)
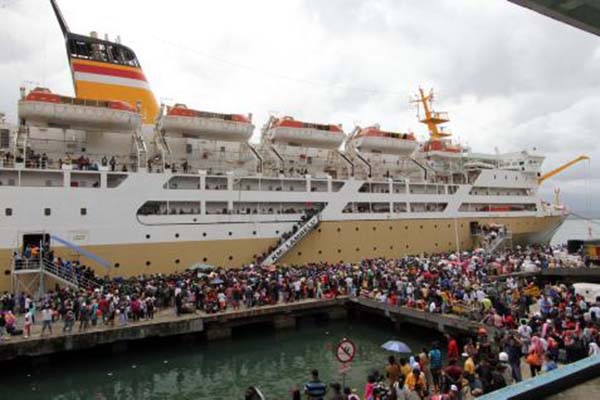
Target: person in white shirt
(46, 319)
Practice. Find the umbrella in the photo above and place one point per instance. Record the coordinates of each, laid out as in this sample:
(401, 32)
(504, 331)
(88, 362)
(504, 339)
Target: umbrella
(201, 267)
(396, 346)
(217, 281)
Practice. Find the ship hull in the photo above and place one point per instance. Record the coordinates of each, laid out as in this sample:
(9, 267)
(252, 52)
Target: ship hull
(332, 241)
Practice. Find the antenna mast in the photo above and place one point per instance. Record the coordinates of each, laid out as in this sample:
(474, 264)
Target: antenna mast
(61, 20)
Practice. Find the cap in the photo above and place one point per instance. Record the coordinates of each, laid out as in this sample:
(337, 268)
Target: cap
(454, 388)
(503, 357)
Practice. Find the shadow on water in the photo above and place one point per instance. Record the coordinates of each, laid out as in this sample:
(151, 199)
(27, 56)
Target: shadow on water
(182, 368)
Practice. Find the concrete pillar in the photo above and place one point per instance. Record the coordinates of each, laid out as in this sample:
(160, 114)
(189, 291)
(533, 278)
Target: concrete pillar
(284, 322)
(216, 332)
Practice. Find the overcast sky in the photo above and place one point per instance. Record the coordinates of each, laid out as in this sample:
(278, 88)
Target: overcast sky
(510, 78)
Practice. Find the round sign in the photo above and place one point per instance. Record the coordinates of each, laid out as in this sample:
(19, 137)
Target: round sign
(345, 351)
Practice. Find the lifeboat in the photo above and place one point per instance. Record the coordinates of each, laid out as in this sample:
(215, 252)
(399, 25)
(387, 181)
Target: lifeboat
(373, 139)
(207, 125)
(289, 131)
(43, 108)
(443, 146)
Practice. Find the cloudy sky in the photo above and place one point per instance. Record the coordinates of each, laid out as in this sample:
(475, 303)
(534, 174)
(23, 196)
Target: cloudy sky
(510, 78)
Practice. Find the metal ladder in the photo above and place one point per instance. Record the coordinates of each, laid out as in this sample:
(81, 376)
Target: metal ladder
(287, 245)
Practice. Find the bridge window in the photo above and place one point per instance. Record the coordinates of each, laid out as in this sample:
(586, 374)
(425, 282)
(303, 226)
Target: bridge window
(99, 50)
(8, 212)
(47, 212)
(83, 211)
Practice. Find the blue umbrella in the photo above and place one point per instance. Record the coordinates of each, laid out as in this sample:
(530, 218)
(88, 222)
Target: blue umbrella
(396, 346)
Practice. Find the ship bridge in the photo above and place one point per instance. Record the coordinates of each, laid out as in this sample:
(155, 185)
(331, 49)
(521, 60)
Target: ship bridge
(582, 14)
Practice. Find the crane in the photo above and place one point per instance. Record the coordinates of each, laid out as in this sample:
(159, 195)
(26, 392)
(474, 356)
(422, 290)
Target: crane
(560, 169)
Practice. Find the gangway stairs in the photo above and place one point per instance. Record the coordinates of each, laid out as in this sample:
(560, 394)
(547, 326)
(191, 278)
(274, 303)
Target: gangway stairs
(287, 245)
(501, 239)
(141, 150)
(40, 268)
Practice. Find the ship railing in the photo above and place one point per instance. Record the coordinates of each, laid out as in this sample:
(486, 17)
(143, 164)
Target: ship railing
(503, 236)
(69, 275)
(294, 239)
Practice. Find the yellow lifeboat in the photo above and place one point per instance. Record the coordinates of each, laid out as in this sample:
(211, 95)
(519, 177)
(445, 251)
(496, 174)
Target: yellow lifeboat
(374, 140)
(289, 131)
(43, 108)
(207, 125)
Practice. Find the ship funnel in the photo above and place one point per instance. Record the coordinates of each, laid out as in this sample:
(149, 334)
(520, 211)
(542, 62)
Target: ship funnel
(94, 34)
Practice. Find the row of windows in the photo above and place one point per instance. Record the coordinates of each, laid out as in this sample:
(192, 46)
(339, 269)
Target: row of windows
(47, 212)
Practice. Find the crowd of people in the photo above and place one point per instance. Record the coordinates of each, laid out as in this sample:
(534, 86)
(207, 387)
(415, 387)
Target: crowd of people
(525, 321)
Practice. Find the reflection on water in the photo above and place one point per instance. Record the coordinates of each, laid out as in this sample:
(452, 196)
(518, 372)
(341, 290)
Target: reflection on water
(218, 370)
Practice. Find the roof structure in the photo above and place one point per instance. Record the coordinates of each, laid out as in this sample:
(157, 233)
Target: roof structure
(582, 14)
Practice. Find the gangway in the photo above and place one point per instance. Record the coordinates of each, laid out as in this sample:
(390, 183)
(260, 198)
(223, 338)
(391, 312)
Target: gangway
(30, 276)
(287, 245)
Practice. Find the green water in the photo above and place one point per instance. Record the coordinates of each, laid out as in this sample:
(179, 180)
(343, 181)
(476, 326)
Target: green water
(218, 370)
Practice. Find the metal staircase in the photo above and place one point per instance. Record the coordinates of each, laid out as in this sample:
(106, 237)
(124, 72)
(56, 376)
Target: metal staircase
(163, 146)
(27, 273)
(142, 151)
(287, 245)
(501, 239)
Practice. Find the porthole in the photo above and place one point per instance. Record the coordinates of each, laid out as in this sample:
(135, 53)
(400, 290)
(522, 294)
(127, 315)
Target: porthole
(117, 265)
(230, 233)
(7, 272)
(356, 229)
(339, 229)
(391, 228)
(177, 235)
(195, 220)
(319, 230)
(254, 233)
(277, 232)
(357, 249)
(299, 253)
(449, 225)
(407, 246)
(148, 263)
(374, 248)
(436, 245)
(205, 259)
(204, 234)
(421, 226)
(177, 261)
(147, 236)
(391, 247)
(374, 228)
(339, 250)
(320, 252)
(406, 227)
(435, 226)
(230, 258)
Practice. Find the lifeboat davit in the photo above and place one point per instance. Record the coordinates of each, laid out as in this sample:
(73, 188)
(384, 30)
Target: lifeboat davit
(373, 139)
(288, 131)
(207, 125)
(43, 108)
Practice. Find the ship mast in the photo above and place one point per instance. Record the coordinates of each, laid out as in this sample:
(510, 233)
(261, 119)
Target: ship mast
(432, 118)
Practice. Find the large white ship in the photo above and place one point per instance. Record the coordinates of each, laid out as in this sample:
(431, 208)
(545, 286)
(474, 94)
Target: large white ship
(138, 187)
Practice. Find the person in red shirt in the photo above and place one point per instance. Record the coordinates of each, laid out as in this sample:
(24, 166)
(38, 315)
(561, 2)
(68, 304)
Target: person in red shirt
(452, 348)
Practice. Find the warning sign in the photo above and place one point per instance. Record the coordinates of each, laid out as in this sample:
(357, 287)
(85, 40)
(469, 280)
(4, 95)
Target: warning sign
(345, 351)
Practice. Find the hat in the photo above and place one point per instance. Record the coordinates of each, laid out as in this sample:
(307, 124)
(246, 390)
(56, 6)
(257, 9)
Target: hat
(454, 388)
(503, 357)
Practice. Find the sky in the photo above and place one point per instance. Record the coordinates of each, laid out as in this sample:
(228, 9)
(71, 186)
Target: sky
(510, 78)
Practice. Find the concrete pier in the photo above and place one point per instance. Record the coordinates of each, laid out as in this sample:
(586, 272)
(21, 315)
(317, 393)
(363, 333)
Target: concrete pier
(210, 326)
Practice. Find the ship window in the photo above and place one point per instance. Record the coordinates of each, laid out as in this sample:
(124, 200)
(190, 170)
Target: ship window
(320, 252)
(147, 236)
(148, 263)
(7, 272)
(4, 139)
(117, 265)
(8, 212)
(205, 259)
(177, 261)
(47, 211)
(83, 211)
(230, 258)
(254, 233)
